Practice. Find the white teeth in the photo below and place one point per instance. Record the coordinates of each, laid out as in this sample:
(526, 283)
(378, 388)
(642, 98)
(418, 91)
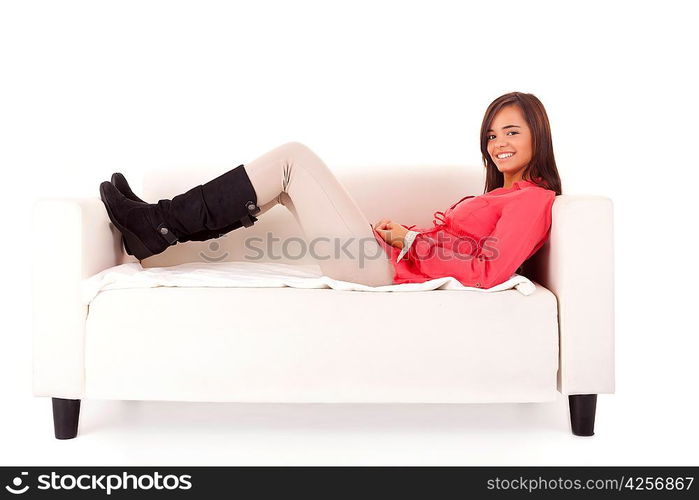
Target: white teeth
(506, 155)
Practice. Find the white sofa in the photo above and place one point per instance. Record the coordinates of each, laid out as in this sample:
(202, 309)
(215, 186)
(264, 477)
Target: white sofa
(323, 345)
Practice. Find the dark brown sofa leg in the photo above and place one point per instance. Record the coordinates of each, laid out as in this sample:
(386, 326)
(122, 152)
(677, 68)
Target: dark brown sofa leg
(582, 413)
(66, 413)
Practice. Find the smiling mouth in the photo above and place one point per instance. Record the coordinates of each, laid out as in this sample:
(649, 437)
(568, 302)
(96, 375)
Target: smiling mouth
(505, 158)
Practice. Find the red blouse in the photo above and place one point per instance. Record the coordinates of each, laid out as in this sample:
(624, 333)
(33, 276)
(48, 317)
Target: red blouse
(482, 241)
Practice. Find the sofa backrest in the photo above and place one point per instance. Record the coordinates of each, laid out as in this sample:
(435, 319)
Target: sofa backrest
(408, 195)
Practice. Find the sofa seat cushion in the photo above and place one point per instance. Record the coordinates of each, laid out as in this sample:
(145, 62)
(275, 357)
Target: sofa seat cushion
(321, 345)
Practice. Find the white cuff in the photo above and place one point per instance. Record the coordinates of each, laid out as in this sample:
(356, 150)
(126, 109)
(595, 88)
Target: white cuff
(407, 242)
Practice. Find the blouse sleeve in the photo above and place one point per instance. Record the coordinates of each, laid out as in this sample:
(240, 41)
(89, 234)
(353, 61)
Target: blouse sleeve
(407, 243)
(521, 230)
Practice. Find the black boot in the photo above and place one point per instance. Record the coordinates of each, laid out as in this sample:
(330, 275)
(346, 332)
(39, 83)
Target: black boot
(122, 185)
(148, 229)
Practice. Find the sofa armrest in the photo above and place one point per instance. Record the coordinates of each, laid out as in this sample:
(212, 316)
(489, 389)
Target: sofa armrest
(76, 240)
(577, 265)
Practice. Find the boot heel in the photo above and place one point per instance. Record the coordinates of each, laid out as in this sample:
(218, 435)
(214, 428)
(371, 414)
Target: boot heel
(126, 247)
(135, 247)
(132, 244)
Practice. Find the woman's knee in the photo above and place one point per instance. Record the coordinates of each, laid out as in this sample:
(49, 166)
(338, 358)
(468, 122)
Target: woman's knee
(298, 155)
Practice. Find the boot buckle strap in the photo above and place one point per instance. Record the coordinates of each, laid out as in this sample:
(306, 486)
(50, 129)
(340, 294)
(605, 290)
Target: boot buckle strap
(252, 207)
(250, 218)
(167, 234)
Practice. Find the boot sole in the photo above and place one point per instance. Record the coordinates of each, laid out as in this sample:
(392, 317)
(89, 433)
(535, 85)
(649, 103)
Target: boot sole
(133, 245)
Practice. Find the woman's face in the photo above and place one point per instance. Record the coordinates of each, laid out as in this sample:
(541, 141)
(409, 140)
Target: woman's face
(510, 134)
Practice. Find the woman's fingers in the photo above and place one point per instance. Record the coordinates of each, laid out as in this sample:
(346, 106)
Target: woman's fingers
(382, 224)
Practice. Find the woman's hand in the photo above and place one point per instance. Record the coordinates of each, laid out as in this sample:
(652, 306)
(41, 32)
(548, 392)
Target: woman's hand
(391, 232)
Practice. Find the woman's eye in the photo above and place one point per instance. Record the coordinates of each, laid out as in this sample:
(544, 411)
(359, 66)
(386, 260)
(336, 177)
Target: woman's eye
(510, 132)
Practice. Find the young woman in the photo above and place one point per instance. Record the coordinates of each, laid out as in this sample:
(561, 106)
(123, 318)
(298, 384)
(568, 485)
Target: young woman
(480, 240)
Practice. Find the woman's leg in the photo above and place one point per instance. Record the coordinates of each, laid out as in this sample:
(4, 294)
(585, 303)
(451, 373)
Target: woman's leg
(294, 176)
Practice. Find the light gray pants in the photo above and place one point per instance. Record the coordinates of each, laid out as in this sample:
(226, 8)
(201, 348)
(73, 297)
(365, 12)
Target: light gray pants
(294, 176)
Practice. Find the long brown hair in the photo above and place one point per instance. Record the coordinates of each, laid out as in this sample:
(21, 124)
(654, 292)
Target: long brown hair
(543, 163)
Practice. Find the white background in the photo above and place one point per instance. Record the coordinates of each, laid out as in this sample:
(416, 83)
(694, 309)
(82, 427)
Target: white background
(89, 88)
